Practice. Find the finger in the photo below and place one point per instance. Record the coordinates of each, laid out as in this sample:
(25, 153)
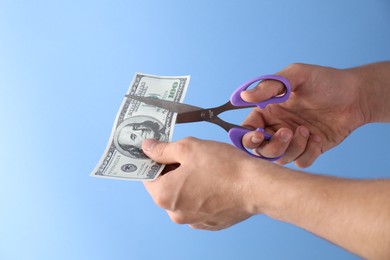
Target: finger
(297, 145)
(266, 89)
(160, 152)
(277, 144)
(254, 119)
(296, 74)
(253, 139)
(161, 189)
(313, 150)
(201, 226)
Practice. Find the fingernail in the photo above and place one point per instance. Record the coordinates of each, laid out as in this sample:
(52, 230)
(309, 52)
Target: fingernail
(149, 144)
(285, 136)
(255, 140)
(304, 132)
(251, 90)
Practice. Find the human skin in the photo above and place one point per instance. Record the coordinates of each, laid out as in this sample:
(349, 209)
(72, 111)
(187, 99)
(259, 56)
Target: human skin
(135, 137)
(215, 192)
(325, 106)
(212, 185)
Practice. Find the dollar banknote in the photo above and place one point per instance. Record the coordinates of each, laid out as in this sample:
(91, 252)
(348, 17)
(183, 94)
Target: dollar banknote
(135, 121)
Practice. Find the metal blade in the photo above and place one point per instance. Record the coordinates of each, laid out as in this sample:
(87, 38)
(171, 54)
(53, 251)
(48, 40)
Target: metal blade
(210, 115)
(191, 116)
(199, 116)
(175, 107)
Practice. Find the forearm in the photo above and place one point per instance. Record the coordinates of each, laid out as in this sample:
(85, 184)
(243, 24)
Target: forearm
(374, 84)
(354, 214)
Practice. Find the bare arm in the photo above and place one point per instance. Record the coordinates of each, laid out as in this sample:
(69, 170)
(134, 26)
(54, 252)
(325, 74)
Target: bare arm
(354, 214)
(375, 87)
(207, 189)
(211, 185)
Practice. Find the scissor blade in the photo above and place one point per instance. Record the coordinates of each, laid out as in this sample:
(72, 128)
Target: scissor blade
(191, 116)
(165, 104)
(209, 114)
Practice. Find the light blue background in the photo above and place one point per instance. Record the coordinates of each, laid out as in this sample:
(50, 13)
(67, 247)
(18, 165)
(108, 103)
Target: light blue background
(64, 68)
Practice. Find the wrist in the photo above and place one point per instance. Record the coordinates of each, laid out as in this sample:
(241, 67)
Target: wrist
(266, 188)
(373, 84)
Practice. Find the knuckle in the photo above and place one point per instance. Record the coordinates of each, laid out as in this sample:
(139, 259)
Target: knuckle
(188, 140)
(184, 145)
(163, 201)
(178, 218)
(196, 226)
(273, 151)
(159, 149)
(181, 147)
(295, 66)
(201, 226)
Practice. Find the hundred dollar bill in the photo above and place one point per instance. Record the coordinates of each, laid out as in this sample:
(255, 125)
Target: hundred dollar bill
(123, 157)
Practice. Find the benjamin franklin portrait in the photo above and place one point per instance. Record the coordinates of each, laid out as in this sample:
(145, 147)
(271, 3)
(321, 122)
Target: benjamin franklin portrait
(131, 132)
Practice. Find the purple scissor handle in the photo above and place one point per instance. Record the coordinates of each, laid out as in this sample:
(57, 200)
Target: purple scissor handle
(188, 113)
(236, 134)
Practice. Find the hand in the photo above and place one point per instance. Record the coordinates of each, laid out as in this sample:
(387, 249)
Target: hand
(322, 111)
(211, 185)
(203, 186)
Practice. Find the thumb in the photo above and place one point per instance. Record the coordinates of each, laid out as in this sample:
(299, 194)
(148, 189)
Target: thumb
(159, 152)
(296, 74)
(266, 89)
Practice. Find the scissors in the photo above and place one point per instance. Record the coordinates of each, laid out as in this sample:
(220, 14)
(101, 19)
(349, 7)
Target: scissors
(188, 113)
